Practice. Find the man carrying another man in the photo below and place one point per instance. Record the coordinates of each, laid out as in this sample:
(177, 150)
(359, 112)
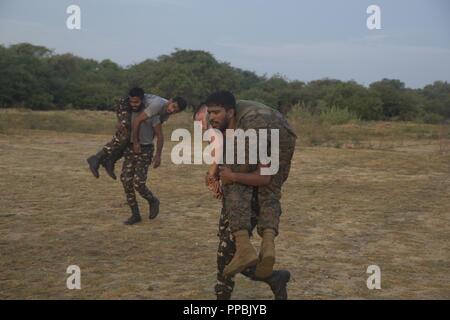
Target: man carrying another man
(239, 182)
(140, 117)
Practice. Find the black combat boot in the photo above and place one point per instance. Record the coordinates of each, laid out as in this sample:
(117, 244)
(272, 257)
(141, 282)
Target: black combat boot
(135, 216)
(154, 208)
(94, 162)
(108, 164)
(278, 283)
(223, 295)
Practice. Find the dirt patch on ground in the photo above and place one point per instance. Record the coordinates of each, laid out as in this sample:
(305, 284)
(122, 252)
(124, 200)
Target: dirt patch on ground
(343, 210)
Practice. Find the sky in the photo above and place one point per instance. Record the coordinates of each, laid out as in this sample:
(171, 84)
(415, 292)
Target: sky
(301, 40)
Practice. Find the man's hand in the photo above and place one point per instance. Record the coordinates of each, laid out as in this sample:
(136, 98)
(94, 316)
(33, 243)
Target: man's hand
(157, 161)
(226, 175)
(137, 148)
(213, 184)
(159, 144)
(254, 178)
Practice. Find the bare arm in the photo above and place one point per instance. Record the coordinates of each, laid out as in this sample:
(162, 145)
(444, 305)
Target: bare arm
(254, 179)
(135, 125)
(159, 144)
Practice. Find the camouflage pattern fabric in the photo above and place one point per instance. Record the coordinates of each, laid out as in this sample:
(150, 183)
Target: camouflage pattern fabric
(237, 196)
(227, 248)
(134, 173)
(121, 138)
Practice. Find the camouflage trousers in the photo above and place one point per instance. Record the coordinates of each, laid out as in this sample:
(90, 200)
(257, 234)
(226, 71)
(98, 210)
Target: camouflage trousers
(269, 196)
(134, 173)
(115, 148)
(227, 248)
(237, 197)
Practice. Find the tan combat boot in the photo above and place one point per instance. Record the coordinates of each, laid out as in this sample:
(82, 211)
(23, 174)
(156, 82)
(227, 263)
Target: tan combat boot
(245, 255)
(266, 261)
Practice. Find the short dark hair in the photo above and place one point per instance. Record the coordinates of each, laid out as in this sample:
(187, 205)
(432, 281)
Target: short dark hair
(181, 102)
(136, 92)
(221, 98)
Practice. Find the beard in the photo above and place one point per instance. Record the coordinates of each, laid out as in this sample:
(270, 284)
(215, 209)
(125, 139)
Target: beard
(138, 108)
(221, 126)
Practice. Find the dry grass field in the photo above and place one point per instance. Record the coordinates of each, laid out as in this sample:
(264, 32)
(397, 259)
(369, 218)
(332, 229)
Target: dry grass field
(364, 194)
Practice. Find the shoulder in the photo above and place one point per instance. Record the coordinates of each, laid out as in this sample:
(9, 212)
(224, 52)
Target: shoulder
(154, 102)
(252, 114)
(253, 120)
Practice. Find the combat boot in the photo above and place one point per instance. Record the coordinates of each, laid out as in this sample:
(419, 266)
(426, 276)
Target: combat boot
(266, 255)
(224, 295)
(135, 216)
(94, 162)
(278, 283)
(109, 167)
(154, 208)
(245, 255)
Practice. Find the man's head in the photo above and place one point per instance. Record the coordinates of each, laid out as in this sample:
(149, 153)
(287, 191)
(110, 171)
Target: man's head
(136, 97)
(176, 105)
(221, 109)
(200, 114)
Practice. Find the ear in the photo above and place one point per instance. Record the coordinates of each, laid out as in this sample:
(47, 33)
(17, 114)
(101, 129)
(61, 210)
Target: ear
(230, 113)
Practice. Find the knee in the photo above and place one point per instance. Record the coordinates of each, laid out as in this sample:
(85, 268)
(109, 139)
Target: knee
(138, 185)
(127, 181)
(270, 209)
(268, 199)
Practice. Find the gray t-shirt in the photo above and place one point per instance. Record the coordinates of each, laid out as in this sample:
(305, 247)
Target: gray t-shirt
(146, 131)
(154, 105)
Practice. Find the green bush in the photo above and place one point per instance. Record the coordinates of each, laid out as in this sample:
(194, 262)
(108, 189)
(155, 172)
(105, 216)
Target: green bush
(432, 118)
(337, 116)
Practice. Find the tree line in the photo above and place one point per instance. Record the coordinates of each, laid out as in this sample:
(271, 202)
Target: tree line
(35, 77)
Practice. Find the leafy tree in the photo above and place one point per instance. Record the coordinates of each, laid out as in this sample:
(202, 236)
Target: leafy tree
(397, 102)
(437, 98)
(35, 77)
(366, 104)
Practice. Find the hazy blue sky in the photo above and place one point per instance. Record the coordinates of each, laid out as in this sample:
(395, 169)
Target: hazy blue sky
(304, 40)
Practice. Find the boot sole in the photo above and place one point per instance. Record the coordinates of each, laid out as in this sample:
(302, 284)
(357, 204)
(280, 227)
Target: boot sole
(265, 267)
(230, 273)
(113, 176)
(130, 224)
(110, 173)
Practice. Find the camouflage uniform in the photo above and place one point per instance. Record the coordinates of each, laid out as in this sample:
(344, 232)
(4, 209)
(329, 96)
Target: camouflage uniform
(227, 247)
(253, 115)
(116, 147)
(134, 173)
